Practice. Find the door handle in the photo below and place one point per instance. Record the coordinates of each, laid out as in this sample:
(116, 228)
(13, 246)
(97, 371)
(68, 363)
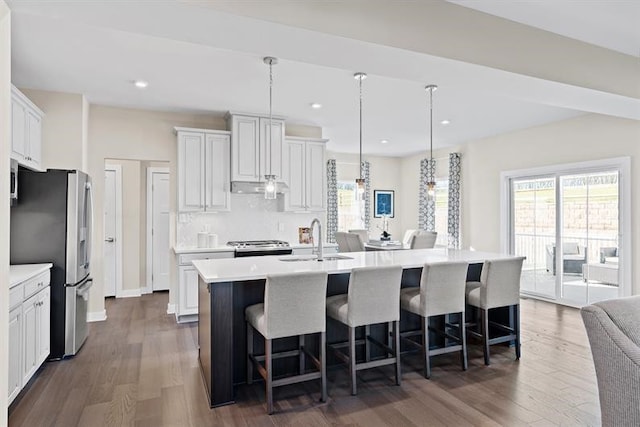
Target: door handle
(110, 239)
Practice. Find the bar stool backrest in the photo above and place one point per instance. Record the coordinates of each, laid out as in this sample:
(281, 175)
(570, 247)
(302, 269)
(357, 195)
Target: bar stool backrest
(295, 304)
(374, 295)
(355, 242)
(424, 240)
(341, 240)
(500, 282)
(442, 288)
(364, 234)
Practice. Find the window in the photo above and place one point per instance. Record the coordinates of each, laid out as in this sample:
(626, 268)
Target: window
(442, 211)
(348, 207)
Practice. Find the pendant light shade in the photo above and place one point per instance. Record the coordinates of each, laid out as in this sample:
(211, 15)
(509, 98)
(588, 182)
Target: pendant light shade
(360, 184)
(431, 184)
(271, 186)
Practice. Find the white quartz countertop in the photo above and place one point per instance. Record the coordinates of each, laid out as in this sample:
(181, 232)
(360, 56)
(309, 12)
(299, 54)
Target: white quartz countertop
(254, 268)
(20, 272)
(178, 250)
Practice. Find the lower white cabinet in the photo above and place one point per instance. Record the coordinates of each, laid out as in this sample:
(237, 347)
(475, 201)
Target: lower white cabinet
(187, 298)
(29, 330)
(15, 352)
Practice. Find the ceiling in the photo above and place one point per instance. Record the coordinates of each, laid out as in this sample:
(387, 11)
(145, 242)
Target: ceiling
(612, 24)
(206, 61)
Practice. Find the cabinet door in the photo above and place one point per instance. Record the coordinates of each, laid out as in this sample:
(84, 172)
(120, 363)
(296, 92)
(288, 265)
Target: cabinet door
(188, 293)
(18, 130)
(271, 151)
(190, 171)
(245, 142)
(217, 185)
(30, 337)
(315, 176)
(15, 352)
(34, 138)
(43, 315)
(294, 175)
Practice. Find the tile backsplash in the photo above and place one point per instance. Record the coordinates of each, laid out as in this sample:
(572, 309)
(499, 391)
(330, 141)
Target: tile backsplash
(251, 218)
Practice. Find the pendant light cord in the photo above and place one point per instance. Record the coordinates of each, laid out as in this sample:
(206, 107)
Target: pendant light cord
(360, 127)
(270, 112)
(431, 134)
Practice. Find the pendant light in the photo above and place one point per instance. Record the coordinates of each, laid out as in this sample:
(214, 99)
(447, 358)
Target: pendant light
(270, 187)
(360, 184)
(431, 184)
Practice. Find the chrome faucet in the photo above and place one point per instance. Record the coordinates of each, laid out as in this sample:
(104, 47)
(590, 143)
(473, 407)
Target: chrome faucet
(313, 223)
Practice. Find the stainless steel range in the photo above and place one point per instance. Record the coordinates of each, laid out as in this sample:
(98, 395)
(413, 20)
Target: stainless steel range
(246, 248)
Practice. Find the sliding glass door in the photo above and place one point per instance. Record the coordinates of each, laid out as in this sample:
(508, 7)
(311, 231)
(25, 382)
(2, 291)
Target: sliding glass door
(567, 226)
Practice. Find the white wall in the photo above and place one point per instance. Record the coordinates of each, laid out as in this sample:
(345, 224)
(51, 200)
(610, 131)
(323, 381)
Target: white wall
(588, 137)
(385, 174)
(5, 138)
(118, 133)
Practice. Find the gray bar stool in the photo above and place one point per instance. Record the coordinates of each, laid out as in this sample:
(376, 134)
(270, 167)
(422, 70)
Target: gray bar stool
(441, 292)
(499, 286)
(373, 297)
(294, 305)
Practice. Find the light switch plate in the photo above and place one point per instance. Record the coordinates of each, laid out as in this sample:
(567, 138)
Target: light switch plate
(281, 227)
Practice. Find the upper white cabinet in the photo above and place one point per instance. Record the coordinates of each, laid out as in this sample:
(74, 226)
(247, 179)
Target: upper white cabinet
(203, 170)
(253, 154)
(304, 170)
(26, 130)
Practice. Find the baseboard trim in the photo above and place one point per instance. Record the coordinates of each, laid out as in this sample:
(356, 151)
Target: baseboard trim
(97, 316)
(146, 290)
(171, 308)
(130, 293)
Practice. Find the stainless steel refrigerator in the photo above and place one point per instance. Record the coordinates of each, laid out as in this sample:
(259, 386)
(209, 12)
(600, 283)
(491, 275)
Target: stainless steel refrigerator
(51, 222)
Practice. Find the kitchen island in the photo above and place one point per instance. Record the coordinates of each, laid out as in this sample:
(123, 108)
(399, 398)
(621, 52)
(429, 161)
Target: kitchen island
(228, 286)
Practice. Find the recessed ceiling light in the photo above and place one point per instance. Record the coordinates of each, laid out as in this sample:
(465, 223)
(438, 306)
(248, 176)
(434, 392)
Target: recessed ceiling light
(445, 122)
(316, 105)
(140, 84)
(384, 141)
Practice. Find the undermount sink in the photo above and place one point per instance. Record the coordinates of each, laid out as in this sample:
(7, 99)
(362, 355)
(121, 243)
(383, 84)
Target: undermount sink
(314, 258)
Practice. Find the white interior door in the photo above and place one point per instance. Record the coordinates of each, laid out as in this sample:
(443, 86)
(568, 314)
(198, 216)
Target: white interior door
(160, 256)
(109, 251)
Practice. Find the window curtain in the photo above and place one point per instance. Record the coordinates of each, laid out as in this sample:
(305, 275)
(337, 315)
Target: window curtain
(332, 201)
(453, 221)
(426, 207)
(367, 195)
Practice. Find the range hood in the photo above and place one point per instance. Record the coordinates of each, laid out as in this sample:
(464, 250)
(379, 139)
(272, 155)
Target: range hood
(245, 187)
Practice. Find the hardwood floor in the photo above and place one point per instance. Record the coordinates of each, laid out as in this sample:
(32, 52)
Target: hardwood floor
(140, 368)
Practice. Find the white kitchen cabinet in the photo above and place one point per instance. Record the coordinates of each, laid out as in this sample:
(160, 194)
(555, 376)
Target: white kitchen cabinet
(29, 325)
(304, 170)
(187, 291)
(26, 130)
(253, 154)
(15, 352)
(203, 170)
(30, 329)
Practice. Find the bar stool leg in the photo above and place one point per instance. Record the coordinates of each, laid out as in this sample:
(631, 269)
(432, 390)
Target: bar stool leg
(352, 359)
(249, 353)
(485, 335)
(367, 346)
(463, 337)
(516, 326)
(301, 355)
(323, 365)
(269, 381)
(425, 347)
(396, 331)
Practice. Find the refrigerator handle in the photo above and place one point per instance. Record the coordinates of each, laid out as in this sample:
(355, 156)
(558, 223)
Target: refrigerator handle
(89, 191)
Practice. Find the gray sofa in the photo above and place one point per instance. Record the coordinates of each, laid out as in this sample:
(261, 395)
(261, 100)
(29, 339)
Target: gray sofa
(613, 328)
(573, 256)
